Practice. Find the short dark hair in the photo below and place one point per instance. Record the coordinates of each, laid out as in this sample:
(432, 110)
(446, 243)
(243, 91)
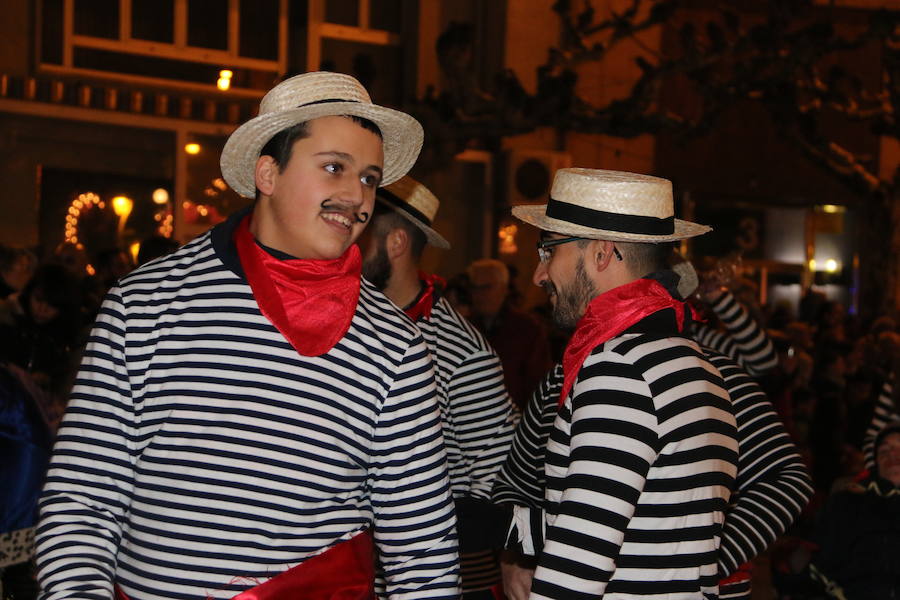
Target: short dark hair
(644, 258)
(280, 146)
(386, 219)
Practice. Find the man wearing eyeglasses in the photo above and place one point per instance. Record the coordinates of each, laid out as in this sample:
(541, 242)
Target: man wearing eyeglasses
(643, 451)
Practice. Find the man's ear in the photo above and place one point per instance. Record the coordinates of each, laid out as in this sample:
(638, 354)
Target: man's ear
(265, 174)
(601, 253)
(397, 242)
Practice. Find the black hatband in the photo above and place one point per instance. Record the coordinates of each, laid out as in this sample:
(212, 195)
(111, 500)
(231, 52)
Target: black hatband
(599, 219)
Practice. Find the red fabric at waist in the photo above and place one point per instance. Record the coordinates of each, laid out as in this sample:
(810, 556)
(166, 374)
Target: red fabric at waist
(743, 573)
(345, 571)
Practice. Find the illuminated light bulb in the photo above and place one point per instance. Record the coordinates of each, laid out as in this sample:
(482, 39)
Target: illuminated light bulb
(192, 148)
(160, 196)
(122, 205)
(812, 264)
(90, 270)
(831, 265)
(224, 81)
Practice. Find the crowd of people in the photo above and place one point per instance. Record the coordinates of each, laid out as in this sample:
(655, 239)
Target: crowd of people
(288, 405)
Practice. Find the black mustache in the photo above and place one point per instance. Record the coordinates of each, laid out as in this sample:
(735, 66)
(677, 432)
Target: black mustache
(360, 217)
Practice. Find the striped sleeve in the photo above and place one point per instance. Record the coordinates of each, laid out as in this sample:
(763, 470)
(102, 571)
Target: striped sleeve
(885, 413)
(415, 527)
(520, 482)
(83, 508)
(745, 341)
(773, 485)
(483, 418)
(521, 478)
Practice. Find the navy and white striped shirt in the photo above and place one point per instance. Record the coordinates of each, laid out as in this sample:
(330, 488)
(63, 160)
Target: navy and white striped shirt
(478, 421)
(639, 468)
(201, 454)
(477, 412)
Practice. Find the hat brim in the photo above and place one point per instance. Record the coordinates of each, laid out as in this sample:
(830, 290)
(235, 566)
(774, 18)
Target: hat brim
(433, 237)
(535, 214)
(402, 137)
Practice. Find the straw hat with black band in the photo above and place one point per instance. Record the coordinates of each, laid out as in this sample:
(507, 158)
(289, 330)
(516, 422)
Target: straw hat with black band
(415, 202)
(310, 96)
(610, 205)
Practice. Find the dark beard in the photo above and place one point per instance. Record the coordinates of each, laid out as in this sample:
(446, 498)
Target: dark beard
(572, 301)
(378, 269)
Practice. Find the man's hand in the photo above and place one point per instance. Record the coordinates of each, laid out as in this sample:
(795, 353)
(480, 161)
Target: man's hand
(518, 572)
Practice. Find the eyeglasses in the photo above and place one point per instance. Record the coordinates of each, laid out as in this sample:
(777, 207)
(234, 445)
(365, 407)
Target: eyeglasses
(543, 247)
(545, 252)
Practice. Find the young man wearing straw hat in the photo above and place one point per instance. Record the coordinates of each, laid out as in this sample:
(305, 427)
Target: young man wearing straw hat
(478, 415)
(643, 451)
(252, 419)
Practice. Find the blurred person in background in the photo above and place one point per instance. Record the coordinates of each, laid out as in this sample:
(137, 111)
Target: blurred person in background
(517, 337)
(17, 265)
(858, 535)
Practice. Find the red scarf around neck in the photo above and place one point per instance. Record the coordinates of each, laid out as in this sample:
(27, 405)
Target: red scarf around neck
(425, 302)
(608, 315)
(311, 302)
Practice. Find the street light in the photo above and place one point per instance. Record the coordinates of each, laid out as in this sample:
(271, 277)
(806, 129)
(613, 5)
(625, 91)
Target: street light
(122, 206)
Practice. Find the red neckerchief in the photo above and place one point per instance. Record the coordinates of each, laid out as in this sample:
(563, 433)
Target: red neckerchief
(608, 315)
(425, 302)
(311, 302)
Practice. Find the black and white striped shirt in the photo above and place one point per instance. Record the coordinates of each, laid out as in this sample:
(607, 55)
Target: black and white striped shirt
(885, 413)
(478, 420)
(201, 454)
(639, 467)
(773, 485)
(477, 412)
(743, 340)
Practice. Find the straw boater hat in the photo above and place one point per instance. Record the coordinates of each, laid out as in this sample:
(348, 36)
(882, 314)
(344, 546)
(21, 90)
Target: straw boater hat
(417, 204)
(310, 96)
(610, 205)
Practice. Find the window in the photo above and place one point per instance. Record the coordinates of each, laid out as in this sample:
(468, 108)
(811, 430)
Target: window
(186, 41)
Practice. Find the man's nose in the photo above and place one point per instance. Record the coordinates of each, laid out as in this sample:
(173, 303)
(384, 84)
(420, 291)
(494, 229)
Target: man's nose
(540, 274)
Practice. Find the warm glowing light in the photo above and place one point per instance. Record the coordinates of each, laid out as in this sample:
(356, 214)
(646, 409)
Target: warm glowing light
(831, 265)
(90, 270)
(831, 208)
(812, 264)
(133, 249)
(507, 235)
(220, 184)
(192, 148)
(160, 196)
(80, 205)
(122, 206)
(224, 81)
(202, 210)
